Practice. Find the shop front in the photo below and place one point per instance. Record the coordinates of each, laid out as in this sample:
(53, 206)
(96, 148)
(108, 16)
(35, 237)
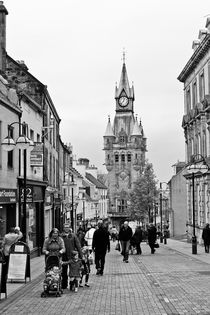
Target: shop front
(34, 215)
(8, 201)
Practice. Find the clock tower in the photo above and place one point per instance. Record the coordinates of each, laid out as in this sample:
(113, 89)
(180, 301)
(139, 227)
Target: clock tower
(125, 147)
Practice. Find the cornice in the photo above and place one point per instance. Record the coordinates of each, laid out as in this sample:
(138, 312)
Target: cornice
(195, 59)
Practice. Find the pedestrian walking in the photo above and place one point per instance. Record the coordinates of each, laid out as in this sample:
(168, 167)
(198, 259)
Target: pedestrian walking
(152, 237)
(89, 236)
(114, 233)
(75, 265)
(206, 237)
(137, 239)
(71, 243)
(54, 243)
(100, 246)
(125, 235)
(86, 266)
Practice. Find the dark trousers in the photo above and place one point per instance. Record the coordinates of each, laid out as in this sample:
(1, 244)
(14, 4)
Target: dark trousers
(138, 248)
(5, 267)
(206, 248)
(100, 260)
(151, 245)
(64, 276)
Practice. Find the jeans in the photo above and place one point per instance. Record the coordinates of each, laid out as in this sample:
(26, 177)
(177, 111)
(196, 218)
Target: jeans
(125, 245)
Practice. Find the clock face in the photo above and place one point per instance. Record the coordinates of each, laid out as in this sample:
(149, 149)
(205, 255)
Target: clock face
(123, 101)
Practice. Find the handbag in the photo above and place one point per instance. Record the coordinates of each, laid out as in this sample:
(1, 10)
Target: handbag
(156, 245)
(117, 247)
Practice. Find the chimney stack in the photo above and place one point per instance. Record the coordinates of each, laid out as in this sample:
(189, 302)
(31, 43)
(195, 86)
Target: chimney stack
(3, 13)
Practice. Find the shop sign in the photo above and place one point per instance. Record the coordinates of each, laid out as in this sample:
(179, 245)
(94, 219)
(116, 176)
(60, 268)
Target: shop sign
(29, 194)
(8, 195)
(36, 157)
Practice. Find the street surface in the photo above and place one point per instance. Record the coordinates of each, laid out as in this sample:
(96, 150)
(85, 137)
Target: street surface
(169, 282)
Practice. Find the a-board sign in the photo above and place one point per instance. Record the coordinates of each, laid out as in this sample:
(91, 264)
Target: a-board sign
(17, 266)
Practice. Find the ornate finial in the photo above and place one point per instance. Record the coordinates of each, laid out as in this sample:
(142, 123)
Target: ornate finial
(108, 118)
(124, 55)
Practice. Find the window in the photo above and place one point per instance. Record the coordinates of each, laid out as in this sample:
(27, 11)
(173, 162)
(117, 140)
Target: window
(202, 86)
(116, 158)
(122, 205)
(10, 154)
(194, 94)
(123, 157)
(122, 139)
(108, 156)
(188, 100)
(31, 134)
(38, 137)
(129, 157)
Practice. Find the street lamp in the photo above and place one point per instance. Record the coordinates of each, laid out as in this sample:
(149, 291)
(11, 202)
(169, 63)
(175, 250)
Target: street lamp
(22, 143)
(161, 212)
(197, 166)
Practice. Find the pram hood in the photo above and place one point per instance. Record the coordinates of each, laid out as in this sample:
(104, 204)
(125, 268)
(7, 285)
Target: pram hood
(51, 261)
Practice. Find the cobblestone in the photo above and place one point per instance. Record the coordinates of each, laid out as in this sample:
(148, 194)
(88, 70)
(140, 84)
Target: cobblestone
(167, 283)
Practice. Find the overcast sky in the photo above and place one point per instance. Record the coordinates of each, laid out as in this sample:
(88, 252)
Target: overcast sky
(75, 48)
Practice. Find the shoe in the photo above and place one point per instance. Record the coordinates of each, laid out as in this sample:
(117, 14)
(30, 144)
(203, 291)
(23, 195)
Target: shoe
(76, 290)
(98, 272)
(126, 261)
(87, 285)
(81, 285)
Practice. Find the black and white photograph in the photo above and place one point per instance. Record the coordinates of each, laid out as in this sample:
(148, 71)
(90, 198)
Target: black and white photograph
(104, 157)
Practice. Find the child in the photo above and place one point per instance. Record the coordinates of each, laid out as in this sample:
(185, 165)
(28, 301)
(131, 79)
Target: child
(52, 276)
(86, 266)
(75, 265)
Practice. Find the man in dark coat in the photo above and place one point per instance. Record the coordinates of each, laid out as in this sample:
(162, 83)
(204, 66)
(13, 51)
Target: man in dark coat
(125, 235)
(137, 239)
(206, 237)
(100, 245)
(152, 237)
(71, 244)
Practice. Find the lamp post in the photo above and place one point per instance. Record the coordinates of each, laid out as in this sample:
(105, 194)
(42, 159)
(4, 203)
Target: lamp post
(22, 143)
(161, 214)
(197, 166)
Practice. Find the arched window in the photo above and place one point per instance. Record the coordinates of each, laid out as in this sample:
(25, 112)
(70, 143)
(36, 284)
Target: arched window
(116, 158)
(123, 157)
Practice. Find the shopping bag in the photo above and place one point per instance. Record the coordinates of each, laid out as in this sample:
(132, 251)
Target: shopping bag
(156, 245)
(117, 247)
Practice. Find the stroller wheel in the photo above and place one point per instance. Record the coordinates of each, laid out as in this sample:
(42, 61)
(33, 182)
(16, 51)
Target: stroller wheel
(43, 294)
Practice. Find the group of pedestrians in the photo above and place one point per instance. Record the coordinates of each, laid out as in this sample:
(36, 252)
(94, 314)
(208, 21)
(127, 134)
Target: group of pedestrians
(75, 251)
(129, 240)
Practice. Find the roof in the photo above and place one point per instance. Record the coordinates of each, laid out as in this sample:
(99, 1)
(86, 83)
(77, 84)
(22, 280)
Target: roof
(95, 181)
(124, 84)
(109, 131)
(195, 59)
(136, 129)
(75, 172)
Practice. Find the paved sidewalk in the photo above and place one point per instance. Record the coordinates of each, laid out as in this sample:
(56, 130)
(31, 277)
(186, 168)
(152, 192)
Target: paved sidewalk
(37, 263)
(171, 282)
(186, 249)
(37, 267)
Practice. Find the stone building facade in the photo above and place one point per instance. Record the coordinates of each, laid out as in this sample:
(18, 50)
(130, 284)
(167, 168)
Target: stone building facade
(196, 125)
(125, 147)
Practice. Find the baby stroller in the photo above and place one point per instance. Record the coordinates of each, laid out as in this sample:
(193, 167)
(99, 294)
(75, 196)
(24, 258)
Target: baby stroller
(53, 278)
